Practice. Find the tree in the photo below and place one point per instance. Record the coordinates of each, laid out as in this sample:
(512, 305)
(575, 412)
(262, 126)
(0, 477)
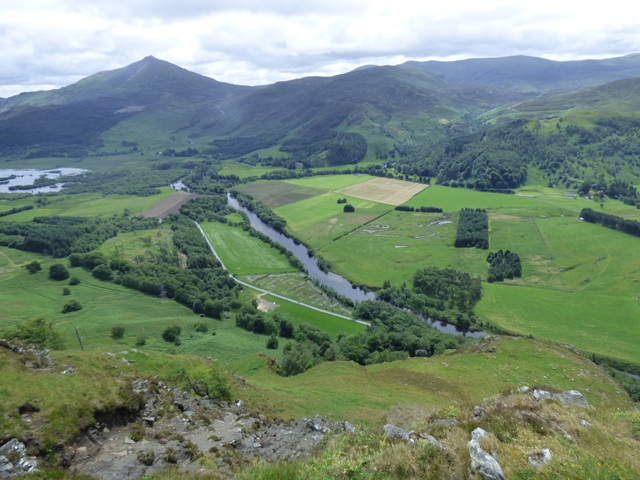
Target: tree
(213, 308)
(117, 331)
(102, 272)
(33, 267)
(58, 271)
(348, 208)
(272, 343)
(71, 306)
(286, 329)
(171, 333)
(66, 291)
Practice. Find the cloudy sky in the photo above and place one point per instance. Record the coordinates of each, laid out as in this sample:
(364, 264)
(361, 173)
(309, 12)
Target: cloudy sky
(52, 43)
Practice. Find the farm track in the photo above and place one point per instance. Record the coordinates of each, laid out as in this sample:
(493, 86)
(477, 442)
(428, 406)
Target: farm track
(267, 292)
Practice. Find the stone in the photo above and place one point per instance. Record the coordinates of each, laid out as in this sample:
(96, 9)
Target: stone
(451, 422)
(584, 423)
(541, 395)
(540, 458)
(349, 428)
(431, 440)
(482, 462)
(396, 432)
(478, 411)
(524, 389)
(13, 445)
(572, 397)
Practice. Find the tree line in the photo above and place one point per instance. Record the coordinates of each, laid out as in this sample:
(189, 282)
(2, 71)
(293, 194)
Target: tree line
(632, 227)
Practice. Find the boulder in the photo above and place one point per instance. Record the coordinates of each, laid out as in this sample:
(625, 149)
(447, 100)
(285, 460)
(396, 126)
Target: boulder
(572, 397)
(540, 458)
(482, 462)
(396, 432)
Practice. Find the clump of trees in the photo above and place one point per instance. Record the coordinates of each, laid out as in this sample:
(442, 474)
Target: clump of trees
(61, 236)
(71, 306)
(503, 265)
(33, 267)
(58, 271)
(473, 229)
(348, 208)
(203, 286)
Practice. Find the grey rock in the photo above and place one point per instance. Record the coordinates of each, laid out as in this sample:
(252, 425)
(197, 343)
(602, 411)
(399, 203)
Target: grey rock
(540, 458)
(485, 464)
(584, 423)
(478, 411)
(523, 389)
(13, 445)
(6, 467)
(396, 432)
(572, 397)
(349, 428)
(451, 422)
(432, 440)
(541, 395)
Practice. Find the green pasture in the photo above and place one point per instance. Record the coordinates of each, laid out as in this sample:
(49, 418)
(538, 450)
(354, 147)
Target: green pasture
(605, 324)
(277, 193)
(325, 209)
(243, 254)
(143, 244)
(105, 304)
(243, 170)
(85, 205)
(298, 314)
(421, 387)
(330, 182)
(578, 270)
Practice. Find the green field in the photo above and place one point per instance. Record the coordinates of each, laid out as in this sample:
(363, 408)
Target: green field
(83, 205)
(580, 281)
(243, 254)
(105, 304)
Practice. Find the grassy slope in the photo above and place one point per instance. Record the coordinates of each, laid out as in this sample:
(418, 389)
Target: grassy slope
(106, 304)
(344, 390)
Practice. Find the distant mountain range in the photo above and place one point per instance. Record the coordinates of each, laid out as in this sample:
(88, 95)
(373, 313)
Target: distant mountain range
(156, 104)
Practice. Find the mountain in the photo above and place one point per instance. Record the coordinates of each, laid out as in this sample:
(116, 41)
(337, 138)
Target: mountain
(620, 96)
(79, 113)
(158, 105)
(532, 76)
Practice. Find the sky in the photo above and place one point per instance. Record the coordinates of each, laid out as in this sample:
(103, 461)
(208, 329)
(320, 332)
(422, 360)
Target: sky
(47, 44)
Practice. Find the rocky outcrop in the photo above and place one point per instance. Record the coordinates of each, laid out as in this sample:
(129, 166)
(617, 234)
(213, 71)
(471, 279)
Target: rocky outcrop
(14, 460)
(227, 432)
(482, 462)
(568, 397)
(392, 431)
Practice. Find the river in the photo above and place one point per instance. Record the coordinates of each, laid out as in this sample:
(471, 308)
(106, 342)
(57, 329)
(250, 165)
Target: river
(330, 279)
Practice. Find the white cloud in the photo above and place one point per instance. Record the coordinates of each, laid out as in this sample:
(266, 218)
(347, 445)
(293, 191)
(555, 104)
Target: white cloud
(52, 43)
